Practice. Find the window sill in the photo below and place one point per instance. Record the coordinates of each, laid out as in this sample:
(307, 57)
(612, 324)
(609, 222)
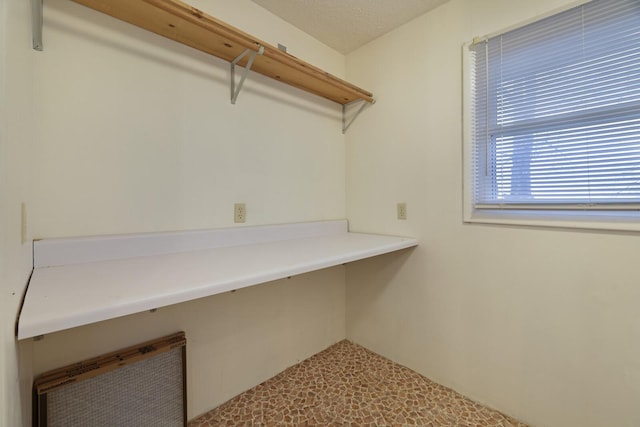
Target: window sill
(586, 220)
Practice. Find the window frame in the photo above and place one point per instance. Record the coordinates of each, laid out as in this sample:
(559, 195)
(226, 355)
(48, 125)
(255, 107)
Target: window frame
(600, 219)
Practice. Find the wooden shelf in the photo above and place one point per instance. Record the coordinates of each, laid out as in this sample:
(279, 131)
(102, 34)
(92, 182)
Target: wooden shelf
(80, 281)
(192, 27)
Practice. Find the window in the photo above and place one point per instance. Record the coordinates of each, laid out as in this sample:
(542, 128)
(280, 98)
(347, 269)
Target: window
(552, 118)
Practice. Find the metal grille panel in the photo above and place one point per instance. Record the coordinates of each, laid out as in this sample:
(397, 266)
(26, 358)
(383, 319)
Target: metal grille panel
(147, 392)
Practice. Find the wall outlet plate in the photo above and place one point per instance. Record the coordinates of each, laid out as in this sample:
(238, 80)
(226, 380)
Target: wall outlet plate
(402, 210)
(239, 213)
(23, 220)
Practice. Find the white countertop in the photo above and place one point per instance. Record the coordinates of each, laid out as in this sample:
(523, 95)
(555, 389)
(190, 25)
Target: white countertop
(81, 281)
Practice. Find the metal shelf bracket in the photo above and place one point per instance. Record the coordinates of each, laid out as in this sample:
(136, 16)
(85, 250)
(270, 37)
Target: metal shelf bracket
(36, 23)
(235, 91)
(346, 122)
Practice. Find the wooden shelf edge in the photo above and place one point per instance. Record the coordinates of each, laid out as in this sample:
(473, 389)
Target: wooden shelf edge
(188, 25)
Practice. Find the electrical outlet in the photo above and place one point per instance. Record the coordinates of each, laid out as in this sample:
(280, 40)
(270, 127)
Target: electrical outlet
(23, 219)
(239, 212)
(402, 211)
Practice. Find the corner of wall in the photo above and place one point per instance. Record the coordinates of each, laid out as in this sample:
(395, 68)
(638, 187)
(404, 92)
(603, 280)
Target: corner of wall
(16, 151)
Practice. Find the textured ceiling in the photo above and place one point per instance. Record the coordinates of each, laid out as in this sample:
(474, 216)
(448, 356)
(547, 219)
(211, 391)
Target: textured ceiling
(345, 25)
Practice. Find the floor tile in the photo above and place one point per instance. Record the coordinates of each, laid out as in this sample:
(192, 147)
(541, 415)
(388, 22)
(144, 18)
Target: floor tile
(348, 385)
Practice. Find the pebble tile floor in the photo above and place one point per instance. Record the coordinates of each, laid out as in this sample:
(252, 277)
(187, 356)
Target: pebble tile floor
(348, 385)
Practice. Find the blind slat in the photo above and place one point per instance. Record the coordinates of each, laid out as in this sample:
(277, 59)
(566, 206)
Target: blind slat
(556, 111)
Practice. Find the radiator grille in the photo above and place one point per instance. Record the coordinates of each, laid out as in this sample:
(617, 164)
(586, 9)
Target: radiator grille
(142, 385)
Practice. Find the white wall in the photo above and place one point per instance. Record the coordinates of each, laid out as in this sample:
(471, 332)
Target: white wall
(16, 144)
(235, 340)
(135, 133)
(539, 323)
(5, 383)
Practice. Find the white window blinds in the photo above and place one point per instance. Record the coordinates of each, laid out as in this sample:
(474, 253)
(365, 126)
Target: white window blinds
(556, 111)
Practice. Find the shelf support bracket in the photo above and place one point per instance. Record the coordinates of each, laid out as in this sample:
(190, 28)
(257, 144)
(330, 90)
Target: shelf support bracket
(36, 24)
(235, 91)
(347, 122)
